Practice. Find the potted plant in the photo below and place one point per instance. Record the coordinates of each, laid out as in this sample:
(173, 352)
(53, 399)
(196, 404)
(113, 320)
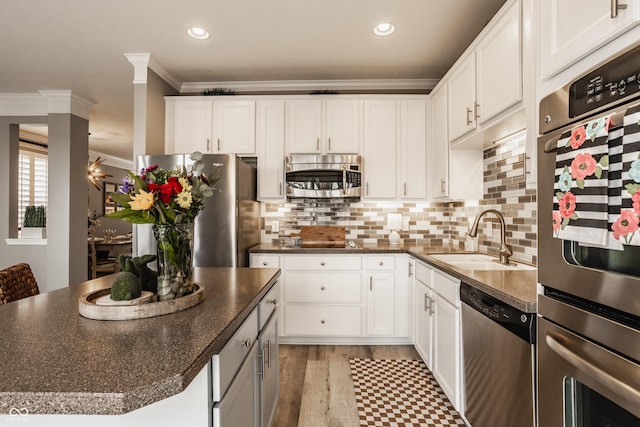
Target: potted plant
(34, 225)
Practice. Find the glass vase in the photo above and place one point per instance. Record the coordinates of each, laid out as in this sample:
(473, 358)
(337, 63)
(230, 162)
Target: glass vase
(175, 260)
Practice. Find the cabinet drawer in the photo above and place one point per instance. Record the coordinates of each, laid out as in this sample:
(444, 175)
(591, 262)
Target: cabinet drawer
(225, 365)
(447, 287)
(325, 320)
(423, 274)
(265, 261)
(268, 305)
(320, 262)
(323, 287)
(381, 263)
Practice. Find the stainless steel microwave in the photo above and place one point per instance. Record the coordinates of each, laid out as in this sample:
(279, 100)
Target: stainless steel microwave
(324, 176)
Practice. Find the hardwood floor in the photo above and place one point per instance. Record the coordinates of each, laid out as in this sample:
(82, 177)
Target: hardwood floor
(315, 383)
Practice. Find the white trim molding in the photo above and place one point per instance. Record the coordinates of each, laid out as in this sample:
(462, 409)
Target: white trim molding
(140, 62)
(423, 85)
(65, 102)
(22, 104)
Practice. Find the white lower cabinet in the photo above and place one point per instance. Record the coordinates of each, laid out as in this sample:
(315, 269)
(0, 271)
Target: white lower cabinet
(244, 375)
(438, 332)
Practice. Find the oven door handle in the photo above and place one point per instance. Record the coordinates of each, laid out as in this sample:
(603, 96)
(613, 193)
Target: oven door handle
(592, 363)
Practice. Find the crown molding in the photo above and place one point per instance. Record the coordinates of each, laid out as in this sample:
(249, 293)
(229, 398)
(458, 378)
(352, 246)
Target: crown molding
(164, 74)
(309, 85)
(142, 62)
(65, 102)
(22, 104)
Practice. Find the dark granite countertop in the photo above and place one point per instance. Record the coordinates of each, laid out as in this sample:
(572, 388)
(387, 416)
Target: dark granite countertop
(58, 362)
(517, 288)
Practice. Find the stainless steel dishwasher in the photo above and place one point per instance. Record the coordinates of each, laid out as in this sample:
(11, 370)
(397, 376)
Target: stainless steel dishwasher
(497, 342)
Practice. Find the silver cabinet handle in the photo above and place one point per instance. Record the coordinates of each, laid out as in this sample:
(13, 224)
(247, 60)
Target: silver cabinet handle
(261, 356)
(432, 306)
(367, 189)
(269, 353)
(597, 364)
(318, 143)
(246, 343)
(615, 7)
(410, 269)
(405, 188)
(329, 148)
(208, 144)
(426, 302)
(218, 144)
(442, 183)
(468, 117)
(476, 107)
(370, 283)
(280, 189)
(322, 288)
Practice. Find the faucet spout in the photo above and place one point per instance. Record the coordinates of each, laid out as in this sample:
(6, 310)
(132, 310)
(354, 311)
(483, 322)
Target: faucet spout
(505, 251)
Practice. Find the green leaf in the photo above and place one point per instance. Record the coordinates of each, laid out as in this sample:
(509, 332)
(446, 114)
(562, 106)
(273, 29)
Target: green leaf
(604, 161)
(565, 170)
(598, 172)
(121, 198)
(574, 216)
(632, 188)
(580, 183)
(559, 195)
(565, 222)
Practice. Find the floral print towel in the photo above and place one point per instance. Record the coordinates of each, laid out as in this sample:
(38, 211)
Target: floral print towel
(625, 223)
(580, 209)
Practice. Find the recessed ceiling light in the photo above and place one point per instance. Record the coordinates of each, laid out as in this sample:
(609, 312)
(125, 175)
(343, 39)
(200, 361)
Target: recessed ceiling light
(384, 29)
(198, 33)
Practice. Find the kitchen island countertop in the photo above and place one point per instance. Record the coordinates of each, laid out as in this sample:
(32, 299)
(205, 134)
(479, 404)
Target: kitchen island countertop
(58, 362)
(517, 288)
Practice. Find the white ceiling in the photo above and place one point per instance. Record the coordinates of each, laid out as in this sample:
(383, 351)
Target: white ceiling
(79, 46)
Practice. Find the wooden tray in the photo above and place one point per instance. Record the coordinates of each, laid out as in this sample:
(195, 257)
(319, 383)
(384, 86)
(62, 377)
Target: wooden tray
(89, 309)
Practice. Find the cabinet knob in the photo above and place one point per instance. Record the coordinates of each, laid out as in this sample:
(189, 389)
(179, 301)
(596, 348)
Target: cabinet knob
(322, 321)
(265, 263)
(381, 263)
(246, 343)
(322, 288)
(322, 263)
(272, 301)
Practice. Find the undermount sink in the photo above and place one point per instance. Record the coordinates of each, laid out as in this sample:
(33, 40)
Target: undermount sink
(476, 261)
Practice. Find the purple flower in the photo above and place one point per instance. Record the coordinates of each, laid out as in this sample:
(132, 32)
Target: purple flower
(126, 185)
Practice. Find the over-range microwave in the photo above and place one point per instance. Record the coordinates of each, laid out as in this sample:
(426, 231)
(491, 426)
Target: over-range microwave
(324, 176)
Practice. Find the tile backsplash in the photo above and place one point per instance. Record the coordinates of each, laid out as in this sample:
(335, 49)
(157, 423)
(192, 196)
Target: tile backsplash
(432, 222)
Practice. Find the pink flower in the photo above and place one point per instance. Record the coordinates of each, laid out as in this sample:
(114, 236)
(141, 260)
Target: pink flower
(636, 202)
(578, 136)
(626, 224)
(557, 220)
(582, 166)
(567, 204)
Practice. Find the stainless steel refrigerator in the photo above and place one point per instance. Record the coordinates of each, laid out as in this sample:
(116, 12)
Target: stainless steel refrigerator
(228, 225)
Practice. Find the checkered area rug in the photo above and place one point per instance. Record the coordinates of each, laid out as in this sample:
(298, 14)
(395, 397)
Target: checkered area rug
(400, 393)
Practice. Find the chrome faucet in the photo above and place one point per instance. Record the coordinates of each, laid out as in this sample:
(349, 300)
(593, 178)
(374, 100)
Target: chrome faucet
(505, 250)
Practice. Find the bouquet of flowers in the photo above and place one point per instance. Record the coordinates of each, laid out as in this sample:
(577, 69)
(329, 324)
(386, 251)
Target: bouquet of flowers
(158, 196)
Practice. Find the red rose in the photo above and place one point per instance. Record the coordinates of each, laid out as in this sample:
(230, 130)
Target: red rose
(170, 189)
(153, 187)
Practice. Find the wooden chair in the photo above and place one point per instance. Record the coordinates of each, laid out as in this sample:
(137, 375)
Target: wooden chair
(17, 282)
(99, 265)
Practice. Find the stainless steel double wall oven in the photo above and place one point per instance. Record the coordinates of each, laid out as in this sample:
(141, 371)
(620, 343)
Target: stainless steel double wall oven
(589, 312)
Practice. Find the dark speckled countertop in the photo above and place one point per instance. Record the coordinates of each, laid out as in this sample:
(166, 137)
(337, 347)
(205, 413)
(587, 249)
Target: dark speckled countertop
(517, 288)
(56, 361)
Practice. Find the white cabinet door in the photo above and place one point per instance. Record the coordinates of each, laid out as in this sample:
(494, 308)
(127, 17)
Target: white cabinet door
(234, 125)
(462, 98)
(304, 125)
(439, 159)
(342, 132)
(269, 379)
(191, 130)
(380, 138)
(499, 65)
(240, 405)
(381, 304)
(413, 149)
(424, 323)
(446, 347)
(270, 149)
(571, 29)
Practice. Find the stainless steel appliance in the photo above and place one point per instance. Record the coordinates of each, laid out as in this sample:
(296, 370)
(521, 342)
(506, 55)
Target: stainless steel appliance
(228, 225)
(589, 310)
(498, 355)
(324, 176)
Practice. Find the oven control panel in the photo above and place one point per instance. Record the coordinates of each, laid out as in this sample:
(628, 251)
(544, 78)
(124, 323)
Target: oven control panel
(609, 83)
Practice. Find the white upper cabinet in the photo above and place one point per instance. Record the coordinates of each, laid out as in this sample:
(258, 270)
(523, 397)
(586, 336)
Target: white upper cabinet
(209, 126)
(380, 136)
(488, 80)
(188, 126)
(413, 149)
(572, 29)
(234, 124)
(270, 149)
(323, 126)
(439, 157)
